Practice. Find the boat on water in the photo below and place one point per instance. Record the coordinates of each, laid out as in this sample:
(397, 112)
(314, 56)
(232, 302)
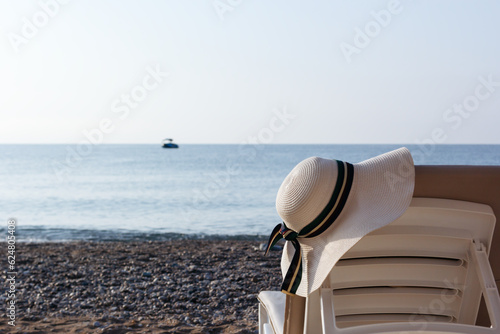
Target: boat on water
(168, 143)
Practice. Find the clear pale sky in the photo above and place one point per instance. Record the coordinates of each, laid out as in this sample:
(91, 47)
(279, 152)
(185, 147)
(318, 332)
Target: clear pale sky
(345, 71)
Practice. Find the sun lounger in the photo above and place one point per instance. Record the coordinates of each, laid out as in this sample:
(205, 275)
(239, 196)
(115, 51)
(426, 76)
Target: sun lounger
(424, 273)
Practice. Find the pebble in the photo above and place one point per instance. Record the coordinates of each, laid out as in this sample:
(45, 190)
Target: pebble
(197, 283)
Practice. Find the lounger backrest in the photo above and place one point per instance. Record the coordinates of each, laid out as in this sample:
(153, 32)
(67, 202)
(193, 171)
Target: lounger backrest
(478, 184)
(417, 268)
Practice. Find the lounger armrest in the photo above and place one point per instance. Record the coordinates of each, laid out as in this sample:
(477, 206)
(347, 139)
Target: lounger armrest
(487, 281)
(271, 311)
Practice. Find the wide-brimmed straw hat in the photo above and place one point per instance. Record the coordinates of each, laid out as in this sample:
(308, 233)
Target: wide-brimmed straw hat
(327, 206)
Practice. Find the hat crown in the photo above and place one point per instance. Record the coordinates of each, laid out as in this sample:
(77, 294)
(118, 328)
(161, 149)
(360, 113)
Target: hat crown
(306, 191)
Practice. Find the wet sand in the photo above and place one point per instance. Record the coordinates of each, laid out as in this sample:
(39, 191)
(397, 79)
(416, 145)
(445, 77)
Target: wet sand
(182, 286)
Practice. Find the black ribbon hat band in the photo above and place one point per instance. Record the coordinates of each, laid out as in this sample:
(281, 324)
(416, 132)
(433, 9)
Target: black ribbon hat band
(320, 224)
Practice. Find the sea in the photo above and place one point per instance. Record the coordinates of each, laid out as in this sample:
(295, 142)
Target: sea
(144, 192)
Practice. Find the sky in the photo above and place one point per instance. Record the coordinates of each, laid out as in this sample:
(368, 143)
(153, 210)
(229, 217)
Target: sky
(240, 71)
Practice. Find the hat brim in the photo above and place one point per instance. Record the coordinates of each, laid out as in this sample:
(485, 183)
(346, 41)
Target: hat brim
(381, 192)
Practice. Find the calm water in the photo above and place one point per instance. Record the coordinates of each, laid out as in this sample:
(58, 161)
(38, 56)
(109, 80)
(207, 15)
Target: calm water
(146, 192)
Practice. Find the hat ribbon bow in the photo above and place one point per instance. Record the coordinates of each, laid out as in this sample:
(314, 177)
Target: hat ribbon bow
(320, 224)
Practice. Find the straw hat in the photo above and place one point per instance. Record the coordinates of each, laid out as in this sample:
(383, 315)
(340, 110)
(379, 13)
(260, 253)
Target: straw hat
(327, 206)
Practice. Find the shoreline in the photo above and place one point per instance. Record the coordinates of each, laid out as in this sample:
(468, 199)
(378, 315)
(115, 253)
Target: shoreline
(36, 234)
(178, 286)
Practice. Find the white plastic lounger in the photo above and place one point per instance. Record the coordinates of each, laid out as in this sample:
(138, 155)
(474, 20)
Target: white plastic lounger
(271, 312)
(424, 273)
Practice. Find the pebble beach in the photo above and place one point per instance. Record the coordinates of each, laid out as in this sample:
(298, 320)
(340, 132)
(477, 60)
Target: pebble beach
(181, 286)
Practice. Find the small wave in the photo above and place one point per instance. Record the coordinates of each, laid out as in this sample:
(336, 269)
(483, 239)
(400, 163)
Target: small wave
(37, 234)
